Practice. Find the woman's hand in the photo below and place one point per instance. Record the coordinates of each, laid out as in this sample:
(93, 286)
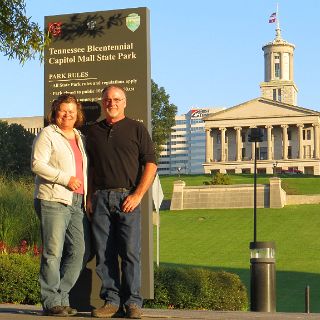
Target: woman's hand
(74, 183)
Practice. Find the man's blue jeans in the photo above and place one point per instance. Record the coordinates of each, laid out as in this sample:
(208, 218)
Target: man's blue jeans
(117, 234)
(63, 241)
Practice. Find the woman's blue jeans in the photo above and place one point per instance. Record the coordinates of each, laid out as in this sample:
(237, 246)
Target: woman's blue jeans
(63, 241)
(117, 234)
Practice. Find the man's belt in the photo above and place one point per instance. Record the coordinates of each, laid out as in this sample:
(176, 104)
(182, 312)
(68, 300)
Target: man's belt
(118, 189)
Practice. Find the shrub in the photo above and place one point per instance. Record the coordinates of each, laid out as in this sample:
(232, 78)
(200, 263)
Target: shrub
(219, 179)
(19, 275)
(18, 219)
(200, 289)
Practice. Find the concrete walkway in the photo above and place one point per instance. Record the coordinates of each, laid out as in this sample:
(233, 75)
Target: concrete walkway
(23, 312)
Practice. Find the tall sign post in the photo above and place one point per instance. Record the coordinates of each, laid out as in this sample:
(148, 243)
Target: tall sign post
(87, 52)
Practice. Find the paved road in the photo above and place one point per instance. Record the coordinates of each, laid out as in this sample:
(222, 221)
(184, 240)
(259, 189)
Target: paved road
(22, 312)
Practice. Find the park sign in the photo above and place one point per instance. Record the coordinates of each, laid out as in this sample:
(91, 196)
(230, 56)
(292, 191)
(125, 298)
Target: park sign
(87, 52)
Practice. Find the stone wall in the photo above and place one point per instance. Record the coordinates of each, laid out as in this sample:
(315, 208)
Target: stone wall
(303, 199)
(227, 196)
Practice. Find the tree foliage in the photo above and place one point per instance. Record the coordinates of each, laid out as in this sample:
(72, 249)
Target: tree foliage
(20, 38)
(162, 116)
(15, 148)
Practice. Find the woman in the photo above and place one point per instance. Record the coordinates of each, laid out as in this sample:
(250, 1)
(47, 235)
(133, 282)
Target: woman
(60, 164)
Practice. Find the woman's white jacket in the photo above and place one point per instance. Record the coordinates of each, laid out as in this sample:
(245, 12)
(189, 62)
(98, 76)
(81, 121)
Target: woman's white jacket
(53, 162)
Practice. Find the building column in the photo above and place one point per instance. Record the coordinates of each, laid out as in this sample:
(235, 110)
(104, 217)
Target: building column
(316, 140)
(223, 143)
(281, 66)
(300, 137)
(284, 141)
(209, 145)
(269, 140)
(291, 66)
(238, 143)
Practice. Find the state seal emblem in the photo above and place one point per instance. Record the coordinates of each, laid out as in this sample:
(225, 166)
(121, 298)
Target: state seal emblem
(54, 28)
(133, 21)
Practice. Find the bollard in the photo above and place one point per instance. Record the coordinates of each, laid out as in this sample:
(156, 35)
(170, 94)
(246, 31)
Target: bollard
(307, 300)
(263, 277)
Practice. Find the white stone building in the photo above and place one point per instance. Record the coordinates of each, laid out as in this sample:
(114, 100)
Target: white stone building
(291, 136)
(31, 124)
(185, 150)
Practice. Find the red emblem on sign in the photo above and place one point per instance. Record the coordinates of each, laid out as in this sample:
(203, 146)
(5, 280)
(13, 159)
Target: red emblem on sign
(55, 28)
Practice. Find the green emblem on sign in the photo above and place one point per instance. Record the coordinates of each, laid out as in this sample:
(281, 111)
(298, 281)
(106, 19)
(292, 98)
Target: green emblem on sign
(133, 21)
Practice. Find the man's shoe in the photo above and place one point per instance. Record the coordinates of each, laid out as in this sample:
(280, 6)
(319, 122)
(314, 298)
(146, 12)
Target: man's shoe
(71, 311)
(133, 311)
(56, 311)
(108, 310)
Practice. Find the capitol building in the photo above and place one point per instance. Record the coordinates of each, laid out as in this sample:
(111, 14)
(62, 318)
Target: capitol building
(291, 135)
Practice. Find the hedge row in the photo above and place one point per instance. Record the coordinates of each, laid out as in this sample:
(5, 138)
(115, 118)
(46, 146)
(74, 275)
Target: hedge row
(19, 274)
(179, 288)
(201, 289)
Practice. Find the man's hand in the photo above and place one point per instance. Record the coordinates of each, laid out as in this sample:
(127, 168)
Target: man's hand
(89, 209)
(131, 202)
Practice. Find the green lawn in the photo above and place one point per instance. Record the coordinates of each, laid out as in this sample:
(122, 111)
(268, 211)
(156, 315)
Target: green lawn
(220, 239)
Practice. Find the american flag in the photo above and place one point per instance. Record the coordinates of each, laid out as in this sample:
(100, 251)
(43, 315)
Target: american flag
(273, 18)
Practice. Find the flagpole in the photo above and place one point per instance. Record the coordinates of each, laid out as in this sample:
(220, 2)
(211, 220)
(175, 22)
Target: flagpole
(278, 20)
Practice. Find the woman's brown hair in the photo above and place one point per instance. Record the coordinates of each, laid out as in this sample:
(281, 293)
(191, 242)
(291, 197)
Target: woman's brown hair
(65, 98)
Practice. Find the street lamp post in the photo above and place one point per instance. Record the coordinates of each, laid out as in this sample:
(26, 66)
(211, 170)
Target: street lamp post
(179, 170)
(275, 164)
(262, 254)
(255, 136)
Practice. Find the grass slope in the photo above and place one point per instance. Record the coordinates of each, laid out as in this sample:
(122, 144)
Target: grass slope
(220, 239)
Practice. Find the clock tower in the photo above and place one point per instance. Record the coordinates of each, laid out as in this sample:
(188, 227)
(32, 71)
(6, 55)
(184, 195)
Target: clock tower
(278, 82)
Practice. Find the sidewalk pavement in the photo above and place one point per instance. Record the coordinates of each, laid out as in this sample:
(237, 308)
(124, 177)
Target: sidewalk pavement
(24, 312)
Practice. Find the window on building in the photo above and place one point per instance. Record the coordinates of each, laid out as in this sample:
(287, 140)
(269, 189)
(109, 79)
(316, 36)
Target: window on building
(243, 153)
(264, 134)
(289, 135)
(289, 152)
(257, 153)
(193, 121)
(306, 134)
(277, 70)
(277, 95)
(277, 66)
(243, 136)
(218, 138)
(263, 153)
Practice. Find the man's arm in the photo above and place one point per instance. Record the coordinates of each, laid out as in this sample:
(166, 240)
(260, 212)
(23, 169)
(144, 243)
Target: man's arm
(133, 200)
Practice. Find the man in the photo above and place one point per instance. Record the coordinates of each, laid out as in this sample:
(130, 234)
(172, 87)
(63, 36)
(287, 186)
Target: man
(122, 168)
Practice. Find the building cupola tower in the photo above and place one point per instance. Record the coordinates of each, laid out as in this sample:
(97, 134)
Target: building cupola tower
(278, 82)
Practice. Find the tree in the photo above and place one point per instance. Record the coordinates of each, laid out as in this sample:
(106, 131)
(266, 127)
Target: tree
(162, 116)
(20, 38)
(15, 148)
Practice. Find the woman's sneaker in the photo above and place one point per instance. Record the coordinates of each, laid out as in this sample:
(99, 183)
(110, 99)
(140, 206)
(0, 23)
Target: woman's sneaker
(56, 311)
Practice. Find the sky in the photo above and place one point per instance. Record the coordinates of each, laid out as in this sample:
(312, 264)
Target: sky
(205, 53)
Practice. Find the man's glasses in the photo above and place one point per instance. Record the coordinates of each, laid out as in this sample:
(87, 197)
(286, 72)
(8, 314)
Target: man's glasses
(109, 101)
